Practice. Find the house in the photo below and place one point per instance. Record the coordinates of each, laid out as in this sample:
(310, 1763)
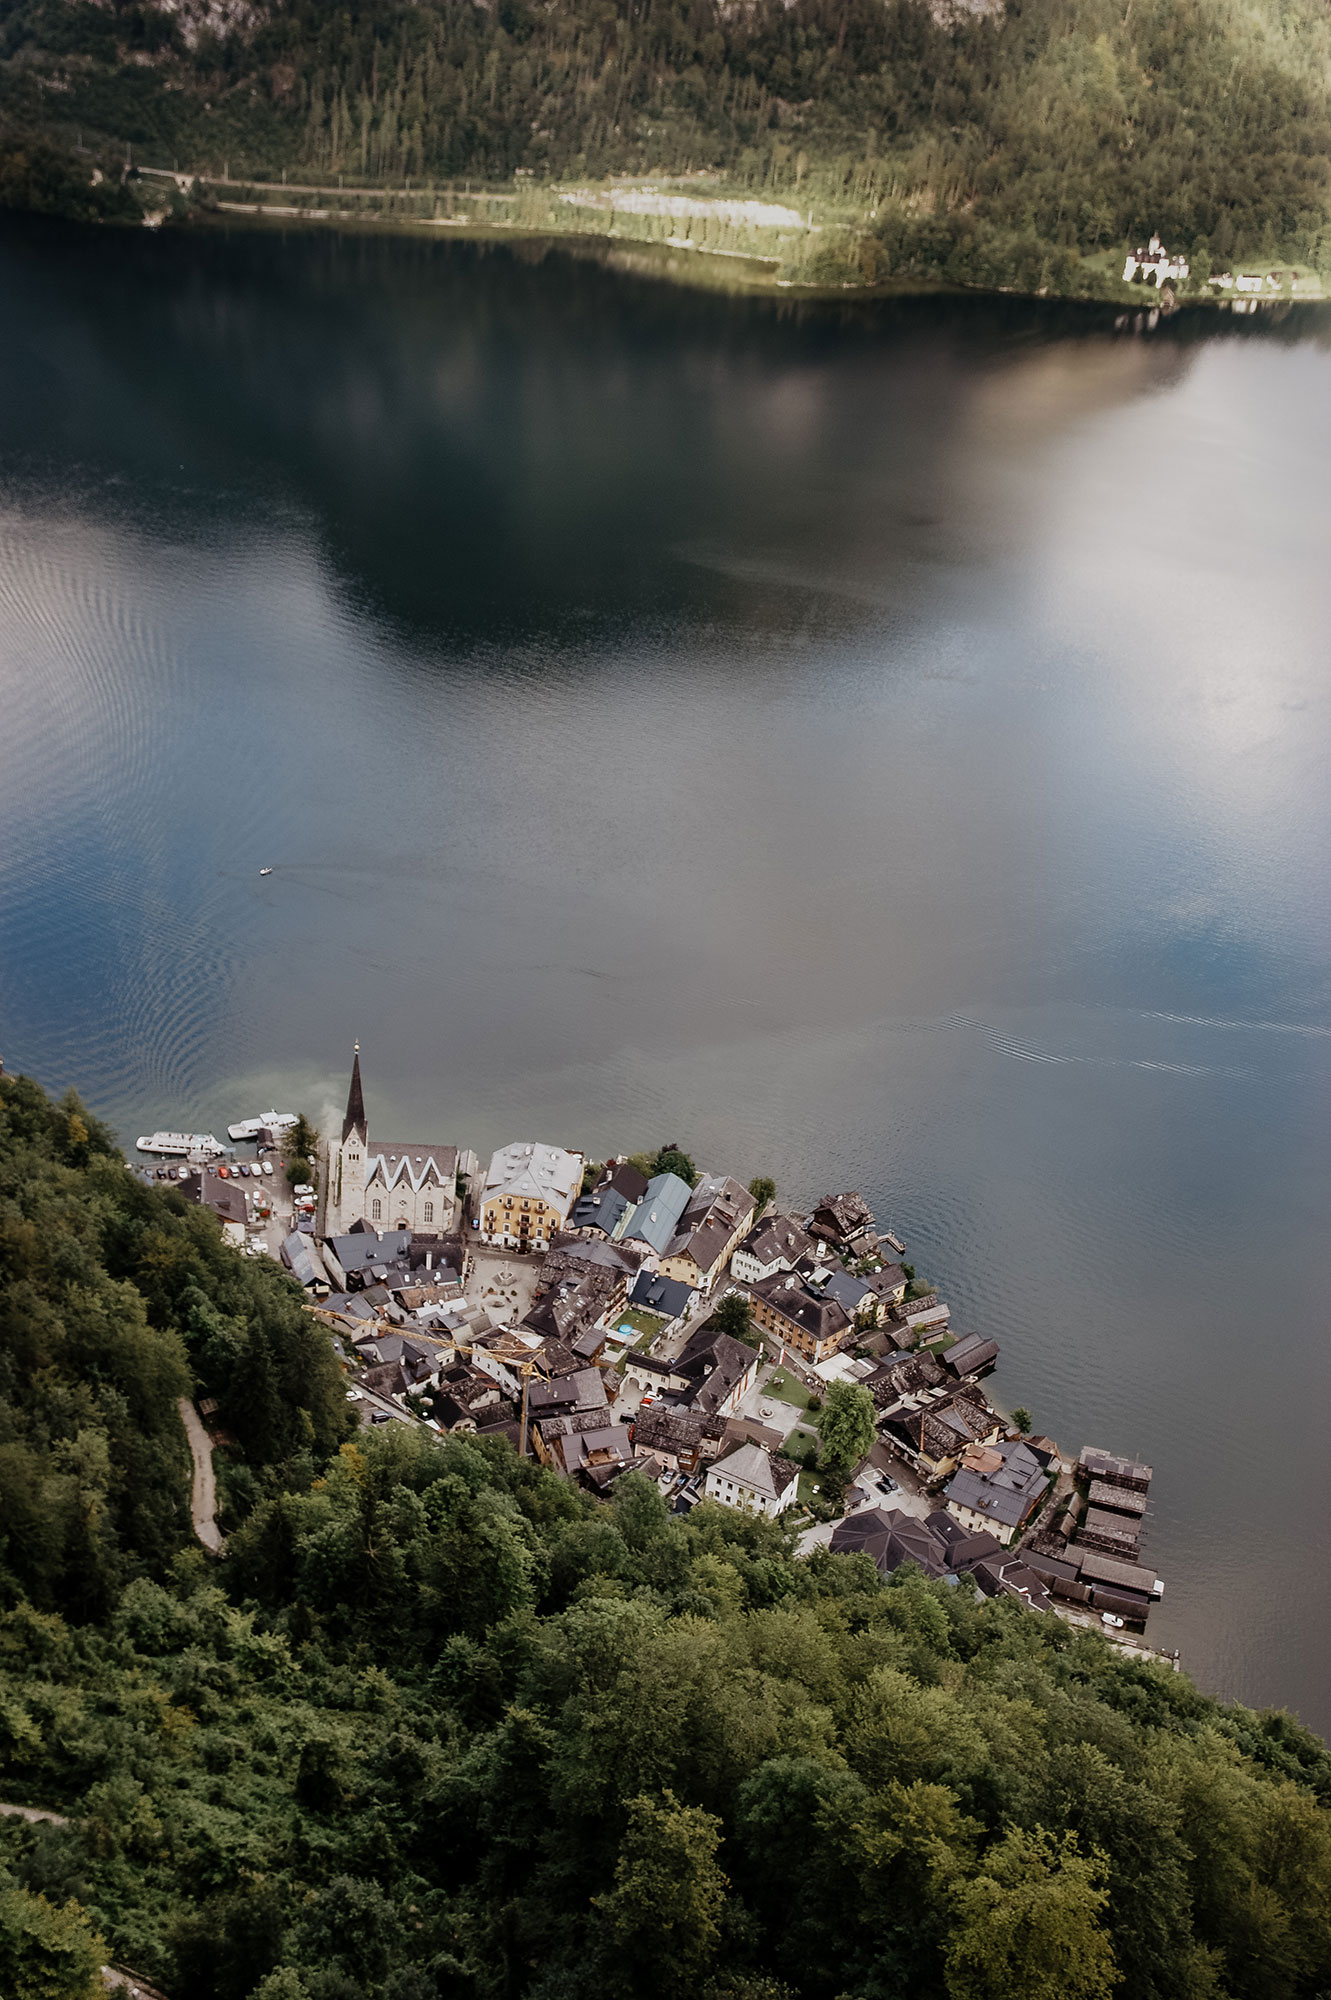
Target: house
(394, 1183)
(717, 1371)
(888, 1284)
(226, 1201)
(718, 1213)
(1154, 264)
(998, 1487)
(645, 1376)
(670, 1297)
(600, 1212)
(583, 1442)
(654, 1221)
(855, 1296)
(777, 1243)
(936, 1435)
(578, 1394)
(1110, 1533)
(529, 1190)
(680, 1439)
(1123, 1588)
(970, 1357)
(1103, 1466)
(751, 1479)
(463, 1393)
(571, 1256)
(1119, 1499)
(847, 1222)
(300, 1254)
(906, 1375)
(789, 1313)
(571, 1308)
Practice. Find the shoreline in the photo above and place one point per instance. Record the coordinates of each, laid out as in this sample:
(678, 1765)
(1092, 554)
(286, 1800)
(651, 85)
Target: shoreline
(695, 266)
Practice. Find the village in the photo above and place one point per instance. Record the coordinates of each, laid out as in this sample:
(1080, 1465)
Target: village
(637, 1315)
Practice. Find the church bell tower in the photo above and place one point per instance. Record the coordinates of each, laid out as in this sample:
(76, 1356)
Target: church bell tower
(346, 1166)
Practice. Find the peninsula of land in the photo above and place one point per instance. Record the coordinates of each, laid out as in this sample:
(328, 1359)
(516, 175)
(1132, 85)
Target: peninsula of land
(387, 1707)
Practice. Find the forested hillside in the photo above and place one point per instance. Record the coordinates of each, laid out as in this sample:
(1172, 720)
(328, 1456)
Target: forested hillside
(1022, 145)
(439, 1725)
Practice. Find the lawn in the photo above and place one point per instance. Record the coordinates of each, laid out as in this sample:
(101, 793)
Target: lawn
(646, 1325)
(786, 1389)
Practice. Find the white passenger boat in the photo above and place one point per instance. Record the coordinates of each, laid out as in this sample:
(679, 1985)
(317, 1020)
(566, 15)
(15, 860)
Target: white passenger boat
(180, 1145)
(271, 1121)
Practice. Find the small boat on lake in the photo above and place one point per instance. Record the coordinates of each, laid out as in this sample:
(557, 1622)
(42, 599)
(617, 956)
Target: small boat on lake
(270, 1121)
(265, 871)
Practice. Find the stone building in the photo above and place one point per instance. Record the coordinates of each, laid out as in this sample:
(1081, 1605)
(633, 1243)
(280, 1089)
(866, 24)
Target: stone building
(387, 1183)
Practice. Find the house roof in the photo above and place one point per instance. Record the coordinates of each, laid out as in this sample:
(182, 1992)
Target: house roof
(777, 1239)
(822, 1319)
(970, 1353)
(603, 1208)
(846, 1215)
(749, 1465)
(547, 1173)
(656, 1217)
(1099, 1464)
(664, 1295)
(717, 1207)
(627, 1179)
(1003, 1482)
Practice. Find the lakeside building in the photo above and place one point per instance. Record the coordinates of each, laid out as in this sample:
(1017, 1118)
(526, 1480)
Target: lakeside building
(718, 1213)
(389, 1184)
(1154, 264)
(529, 1190)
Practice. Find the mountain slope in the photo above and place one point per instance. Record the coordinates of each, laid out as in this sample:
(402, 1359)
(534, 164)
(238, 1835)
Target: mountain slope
(1026, 145)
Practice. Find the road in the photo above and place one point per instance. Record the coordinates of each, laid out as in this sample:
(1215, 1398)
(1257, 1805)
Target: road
(203, 1495)
(37, 1815)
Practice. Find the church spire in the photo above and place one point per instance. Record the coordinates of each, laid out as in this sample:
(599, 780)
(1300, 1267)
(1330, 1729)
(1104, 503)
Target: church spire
(355, 1118)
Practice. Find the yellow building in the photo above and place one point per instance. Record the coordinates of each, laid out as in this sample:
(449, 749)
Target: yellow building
(529, 1191)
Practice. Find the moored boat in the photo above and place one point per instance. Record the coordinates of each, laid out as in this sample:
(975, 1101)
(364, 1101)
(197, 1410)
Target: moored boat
(179, 1145)
(271, 1121)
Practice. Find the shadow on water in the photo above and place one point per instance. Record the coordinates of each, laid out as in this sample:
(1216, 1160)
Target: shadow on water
(488, 457)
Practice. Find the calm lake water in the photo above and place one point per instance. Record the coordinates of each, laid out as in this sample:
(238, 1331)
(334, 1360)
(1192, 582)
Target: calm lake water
(883, 747)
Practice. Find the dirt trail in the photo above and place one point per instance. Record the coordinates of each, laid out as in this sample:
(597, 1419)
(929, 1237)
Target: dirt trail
(203, 1498)
(36, 1814)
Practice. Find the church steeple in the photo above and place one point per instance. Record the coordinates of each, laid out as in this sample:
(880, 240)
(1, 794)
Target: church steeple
(355, 1118)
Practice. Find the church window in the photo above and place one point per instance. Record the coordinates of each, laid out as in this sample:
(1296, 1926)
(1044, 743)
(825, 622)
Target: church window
(429, 1211)
(376, 1210)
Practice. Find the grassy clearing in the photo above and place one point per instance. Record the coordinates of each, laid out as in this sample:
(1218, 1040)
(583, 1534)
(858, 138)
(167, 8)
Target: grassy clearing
(646, 1325)
(786, 1389)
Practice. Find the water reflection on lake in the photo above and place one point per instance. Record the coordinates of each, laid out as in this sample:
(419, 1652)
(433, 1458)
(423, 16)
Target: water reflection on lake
(882, 747)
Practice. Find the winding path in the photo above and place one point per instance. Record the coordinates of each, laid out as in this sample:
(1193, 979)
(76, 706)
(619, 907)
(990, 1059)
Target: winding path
(203, 1497)
(37, 1815)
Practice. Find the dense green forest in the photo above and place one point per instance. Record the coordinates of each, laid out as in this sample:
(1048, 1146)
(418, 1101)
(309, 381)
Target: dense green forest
(1026, 145)
(437, 1724)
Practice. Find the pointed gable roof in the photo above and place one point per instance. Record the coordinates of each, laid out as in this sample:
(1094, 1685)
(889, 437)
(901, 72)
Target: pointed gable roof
(355, 1118)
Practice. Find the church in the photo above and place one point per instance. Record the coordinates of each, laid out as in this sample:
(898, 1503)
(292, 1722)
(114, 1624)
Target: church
(387, 1183)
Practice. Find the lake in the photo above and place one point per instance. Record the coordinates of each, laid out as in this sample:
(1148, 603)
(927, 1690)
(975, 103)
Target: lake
(882, 745)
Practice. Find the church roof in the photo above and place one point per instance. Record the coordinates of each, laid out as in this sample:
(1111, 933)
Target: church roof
(355, 1118)
(393, 1160)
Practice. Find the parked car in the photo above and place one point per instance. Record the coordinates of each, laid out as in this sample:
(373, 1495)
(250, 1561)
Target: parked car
(268, 1168)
